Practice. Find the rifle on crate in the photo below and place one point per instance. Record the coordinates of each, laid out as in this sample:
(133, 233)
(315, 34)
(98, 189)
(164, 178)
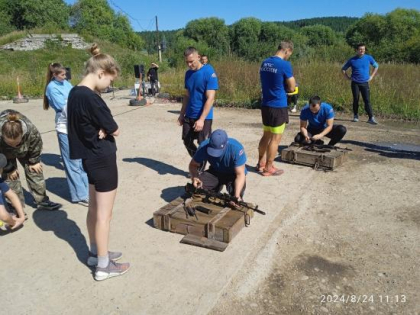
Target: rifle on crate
(189, 188)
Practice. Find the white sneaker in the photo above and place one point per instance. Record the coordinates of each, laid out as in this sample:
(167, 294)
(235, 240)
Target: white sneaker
(294, 110)
(112, 270)
(84, 203)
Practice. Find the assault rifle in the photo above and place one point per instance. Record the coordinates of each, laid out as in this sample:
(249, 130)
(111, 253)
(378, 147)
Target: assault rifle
(321, 148)
(189, 188)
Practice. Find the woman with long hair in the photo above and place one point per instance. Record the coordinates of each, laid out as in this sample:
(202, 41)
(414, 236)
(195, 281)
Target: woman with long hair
(92, 131)
(56, 94)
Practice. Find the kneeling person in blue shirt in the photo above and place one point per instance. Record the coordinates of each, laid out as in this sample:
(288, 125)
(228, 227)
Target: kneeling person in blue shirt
(317, 121)
(227, 158)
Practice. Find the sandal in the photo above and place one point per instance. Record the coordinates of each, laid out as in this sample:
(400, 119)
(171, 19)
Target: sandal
(272, 172)
(260, 167)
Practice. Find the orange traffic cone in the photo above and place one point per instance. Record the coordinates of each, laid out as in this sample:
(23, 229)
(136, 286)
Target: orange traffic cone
(20, 98)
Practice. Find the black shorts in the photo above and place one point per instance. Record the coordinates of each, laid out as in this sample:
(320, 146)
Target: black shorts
(189, 133)
(102, 172)
(274, 117)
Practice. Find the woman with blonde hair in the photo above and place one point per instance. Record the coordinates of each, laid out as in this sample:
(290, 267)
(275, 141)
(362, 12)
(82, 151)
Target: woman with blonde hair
(92, 131)
(56, 93)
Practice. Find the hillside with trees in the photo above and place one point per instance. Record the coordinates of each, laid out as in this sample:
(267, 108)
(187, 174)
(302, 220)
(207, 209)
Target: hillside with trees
(391, 37)
(267, 30)
(86, 17)
(338, 24)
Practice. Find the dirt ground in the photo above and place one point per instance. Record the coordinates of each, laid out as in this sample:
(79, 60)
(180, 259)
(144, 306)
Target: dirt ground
(341, 242)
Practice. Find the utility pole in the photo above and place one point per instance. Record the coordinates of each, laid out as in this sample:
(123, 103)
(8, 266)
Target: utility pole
(157, 40)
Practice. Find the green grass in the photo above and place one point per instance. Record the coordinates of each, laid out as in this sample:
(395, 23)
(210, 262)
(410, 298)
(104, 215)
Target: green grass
(11, 37)
(395, 90)
(31, 66)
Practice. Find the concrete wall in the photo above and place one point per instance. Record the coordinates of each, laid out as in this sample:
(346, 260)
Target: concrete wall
(37, 41)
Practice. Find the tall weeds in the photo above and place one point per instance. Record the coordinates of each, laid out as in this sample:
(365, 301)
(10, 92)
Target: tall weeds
(395, 91)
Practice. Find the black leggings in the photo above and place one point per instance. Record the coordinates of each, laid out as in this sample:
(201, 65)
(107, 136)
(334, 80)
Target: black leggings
(357, 89)
(336, 134)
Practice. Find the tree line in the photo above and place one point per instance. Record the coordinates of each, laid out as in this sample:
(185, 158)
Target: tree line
(394, 37)
(86, 17)
(339, 24)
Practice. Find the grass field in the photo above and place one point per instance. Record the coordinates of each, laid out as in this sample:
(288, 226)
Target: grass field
(395, 91)
(31, 66)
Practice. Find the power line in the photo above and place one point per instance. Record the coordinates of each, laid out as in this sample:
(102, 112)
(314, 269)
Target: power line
(151, 24)
(128, 15)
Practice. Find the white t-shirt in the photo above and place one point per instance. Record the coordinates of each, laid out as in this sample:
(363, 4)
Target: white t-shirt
(61, 120)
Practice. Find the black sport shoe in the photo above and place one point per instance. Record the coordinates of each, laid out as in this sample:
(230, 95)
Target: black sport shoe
(49, 205)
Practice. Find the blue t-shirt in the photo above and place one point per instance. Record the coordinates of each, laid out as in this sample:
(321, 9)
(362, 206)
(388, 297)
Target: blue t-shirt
(4, 188)
(234, 156)
(360, 67)
(274, 72)
(197, 83)
(318, 120)
(58, 93)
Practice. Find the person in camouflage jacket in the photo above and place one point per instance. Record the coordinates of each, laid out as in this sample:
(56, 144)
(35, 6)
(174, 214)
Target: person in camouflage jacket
(21, 140)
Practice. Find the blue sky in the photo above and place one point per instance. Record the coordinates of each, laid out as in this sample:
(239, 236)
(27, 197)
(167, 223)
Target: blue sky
(176, 14)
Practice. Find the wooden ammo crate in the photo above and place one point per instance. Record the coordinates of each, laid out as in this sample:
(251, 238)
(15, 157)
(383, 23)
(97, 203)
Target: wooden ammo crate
(221, 224)
(317, 156)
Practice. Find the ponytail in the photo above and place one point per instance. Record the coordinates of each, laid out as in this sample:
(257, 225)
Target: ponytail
(53, 68)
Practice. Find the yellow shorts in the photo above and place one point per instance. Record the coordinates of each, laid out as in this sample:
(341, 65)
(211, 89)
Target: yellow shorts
(276, 130)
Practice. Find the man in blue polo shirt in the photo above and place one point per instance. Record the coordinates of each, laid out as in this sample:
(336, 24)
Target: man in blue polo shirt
(360, 78)
(317, 121)
(227, 158)
(197, 106)
(277, 80)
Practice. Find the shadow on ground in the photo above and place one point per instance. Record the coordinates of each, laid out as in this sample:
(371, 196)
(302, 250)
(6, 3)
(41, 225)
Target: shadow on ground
(171, 193)
(387, 151)
(160, 167)
(59, 187)
(63, 228)
(52, 160)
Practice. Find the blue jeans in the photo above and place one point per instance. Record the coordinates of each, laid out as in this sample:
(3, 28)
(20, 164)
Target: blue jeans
(76, 176)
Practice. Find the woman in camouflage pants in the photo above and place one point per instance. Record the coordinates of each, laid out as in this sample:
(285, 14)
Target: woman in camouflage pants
(20, 140)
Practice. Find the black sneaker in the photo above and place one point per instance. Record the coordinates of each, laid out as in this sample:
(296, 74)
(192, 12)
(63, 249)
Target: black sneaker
(49, 205)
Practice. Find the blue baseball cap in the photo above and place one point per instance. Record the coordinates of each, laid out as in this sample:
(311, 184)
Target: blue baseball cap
(218, 143)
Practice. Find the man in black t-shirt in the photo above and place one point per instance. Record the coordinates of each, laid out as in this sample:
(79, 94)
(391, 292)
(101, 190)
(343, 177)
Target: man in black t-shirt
(152, 76)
